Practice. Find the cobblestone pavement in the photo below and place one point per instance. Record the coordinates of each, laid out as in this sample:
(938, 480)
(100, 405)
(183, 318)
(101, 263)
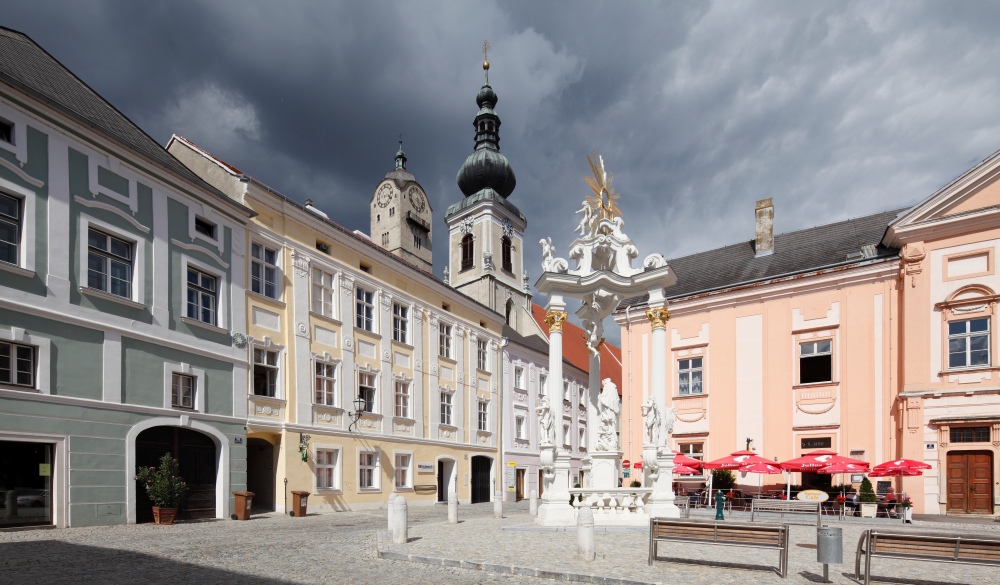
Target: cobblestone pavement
(273, 549)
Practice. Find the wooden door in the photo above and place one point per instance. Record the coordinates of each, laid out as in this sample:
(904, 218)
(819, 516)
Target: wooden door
(520, 484)
(540, 472)
(970, 478)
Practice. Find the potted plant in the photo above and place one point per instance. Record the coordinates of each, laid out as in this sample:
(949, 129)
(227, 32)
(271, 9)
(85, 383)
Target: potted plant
(869, 502)
(165, 488)
(904, 508)
(635, 483)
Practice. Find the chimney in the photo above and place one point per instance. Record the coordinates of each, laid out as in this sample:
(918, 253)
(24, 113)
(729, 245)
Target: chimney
(764, 244)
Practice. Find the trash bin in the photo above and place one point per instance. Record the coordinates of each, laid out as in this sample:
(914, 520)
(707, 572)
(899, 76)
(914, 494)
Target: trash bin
(241, 506)
(829, 548)
(299, 502)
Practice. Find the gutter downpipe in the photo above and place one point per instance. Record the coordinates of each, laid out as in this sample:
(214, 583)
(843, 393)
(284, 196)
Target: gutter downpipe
(501, 465)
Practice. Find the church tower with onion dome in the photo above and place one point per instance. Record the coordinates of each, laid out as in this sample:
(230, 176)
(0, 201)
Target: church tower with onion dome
(486, 230)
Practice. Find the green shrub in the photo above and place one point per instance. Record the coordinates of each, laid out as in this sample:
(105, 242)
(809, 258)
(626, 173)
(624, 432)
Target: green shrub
(164, 484)
(635, 483)
(867, 494)
(723, 479)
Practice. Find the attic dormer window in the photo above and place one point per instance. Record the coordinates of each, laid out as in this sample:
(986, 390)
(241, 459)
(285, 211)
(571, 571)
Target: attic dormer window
(204, 227)
(6, 131)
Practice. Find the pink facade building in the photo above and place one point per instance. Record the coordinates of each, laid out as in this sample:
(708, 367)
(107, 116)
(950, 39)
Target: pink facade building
(874, 337)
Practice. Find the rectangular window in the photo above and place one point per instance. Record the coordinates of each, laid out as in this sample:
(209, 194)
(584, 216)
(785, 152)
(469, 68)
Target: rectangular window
(583, 439)
(364, 309)
(446, 408)
(368, 470)
(327, 474)
(417, 242)
(109, 264)
(326, 383)
(566, 388)
(385, 239)
(10, 229)
(6, 131)
(201, 296)
(204, 227)
(520, 431)
(689, 376)
(403, 471)
(543, 382)
(400, 322)
(264, 271)
(265, 372)
(322, 293)
(17, 364)
(969, 343)
(182, 391)
(815, 362)
(444, 340)
(970, 435)
(482, 357)
(565, 435)
(693, 450)
(519, 377)
(402, 399)
(366, 390)
(483, 415)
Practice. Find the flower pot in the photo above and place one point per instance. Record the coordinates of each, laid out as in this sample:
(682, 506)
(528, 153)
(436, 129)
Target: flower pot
(164, 515)
(907, 515)
(868, 510)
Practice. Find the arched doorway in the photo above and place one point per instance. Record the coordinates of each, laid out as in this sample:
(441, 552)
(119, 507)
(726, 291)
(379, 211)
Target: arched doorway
(445, 478)
(195, 453)
(481, 478)
(260, 473)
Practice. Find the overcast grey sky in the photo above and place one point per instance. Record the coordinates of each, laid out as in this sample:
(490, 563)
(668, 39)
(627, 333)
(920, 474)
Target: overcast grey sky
(834, 109)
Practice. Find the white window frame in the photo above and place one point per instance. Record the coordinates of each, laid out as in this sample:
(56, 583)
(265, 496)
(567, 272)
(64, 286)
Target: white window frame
(26, 237)
(137, 299)
(689, 372)
(210, 215)
(321, 294)
(362, 319)
(169, 369)
(582, 446)
(567, 440)
(483, 416)
(20, 145)
(407, 469)
(542, 382)
(221, 295)
(337, 468)
(483, 354)
(279, 391)
(690, 453)
(400, 323)
(278, 275)
(43, 357)
(446, 401)
(406, 394)
(520, 427)
(375, 467)
(966, 337)
(519, 378)
(816, 353)
(567, 390)
(446, 346)
(334, 380)
(373, 404)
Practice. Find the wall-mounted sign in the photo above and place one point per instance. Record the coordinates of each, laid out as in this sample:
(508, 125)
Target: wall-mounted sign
(857, 477)
(44, 469)
(931, 446)
(238, 440)
(817, 443)
(425, 468)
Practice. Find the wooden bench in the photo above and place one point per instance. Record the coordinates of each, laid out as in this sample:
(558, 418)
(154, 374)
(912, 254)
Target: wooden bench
(940, 548)
(786, 507)
(773, 536)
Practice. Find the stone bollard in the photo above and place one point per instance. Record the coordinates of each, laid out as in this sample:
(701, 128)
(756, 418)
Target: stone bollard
(498, 505)
(585, 533)
(400, 521)
(10, 504)
(533, 505)
(389, 511)
(452, 508)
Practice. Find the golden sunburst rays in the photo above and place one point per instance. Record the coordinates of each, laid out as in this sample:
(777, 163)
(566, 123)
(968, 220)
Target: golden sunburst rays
(604, 201)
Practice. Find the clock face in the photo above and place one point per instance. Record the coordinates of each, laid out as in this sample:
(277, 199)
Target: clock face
(417, 200)
(384, 195)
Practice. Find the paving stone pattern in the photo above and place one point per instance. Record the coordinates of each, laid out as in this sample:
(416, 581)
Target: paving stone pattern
(354, 547)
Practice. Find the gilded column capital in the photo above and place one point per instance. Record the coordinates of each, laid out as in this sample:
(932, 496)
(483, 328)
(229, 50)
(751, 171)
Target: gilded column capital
(554, 319)
(658, 317)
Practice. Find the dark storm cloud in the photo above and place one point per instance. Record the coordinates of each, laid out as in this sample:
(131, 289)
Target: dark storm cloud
(834, 109)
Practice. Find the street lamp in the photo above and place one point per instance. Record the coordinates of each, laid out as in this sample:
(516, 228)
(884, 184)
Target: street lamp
(360, 406)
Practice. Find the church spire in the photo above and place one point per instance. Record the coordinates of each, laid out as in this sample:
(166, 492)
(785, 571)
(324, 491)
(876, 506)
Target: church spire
(400, 157)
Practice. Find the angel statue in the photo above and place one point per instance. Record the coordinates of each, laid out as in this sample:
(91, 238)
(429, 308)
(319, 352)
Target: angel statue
(588, 218)
(548, 252)
(651, 418)
(610, 406)
(545, 421)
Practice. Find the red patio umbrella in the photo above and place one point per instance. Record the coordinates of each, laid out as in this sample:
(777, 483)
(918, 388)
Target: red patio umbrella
(901, 464)
(685, 470)
(898, 472)
(682, 459)
(736, 460)
(762, 468)
(816, 459)
(843, 468)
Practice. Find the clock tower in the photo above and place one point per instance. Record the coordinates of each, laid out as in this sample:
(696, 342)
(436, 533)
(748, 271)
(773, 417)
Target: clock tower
(401, 216)
(485, 229)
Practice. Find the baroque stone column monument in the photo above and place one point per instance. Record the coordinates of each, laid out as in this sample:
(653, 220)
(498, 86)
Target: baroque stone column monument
(603, 275)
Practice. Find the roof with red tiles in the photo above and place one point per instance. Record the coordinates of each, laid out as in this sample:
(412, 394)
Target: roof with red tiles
(575, 348)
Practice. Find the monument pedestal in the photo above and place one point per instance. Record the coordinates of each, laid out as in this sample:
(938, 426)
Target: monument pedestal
(555, 509)
(661, 501)
(604, 469)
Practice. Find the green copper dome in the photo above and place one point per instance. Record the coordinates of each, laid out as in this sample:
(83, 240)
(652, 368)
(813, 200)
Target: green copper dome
(486, 168)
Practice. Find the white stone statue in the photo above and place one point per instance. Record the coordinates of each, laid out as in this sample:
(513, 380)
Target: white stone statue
(651, 418)
(668, 422)
(586, 224)
(610, 406)
(545, 422)
(549, 262)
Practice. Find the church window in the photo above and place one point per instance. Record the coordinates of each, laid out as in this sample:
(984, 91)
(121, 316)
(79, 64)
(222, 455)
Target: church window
(506, 255)
(392, 211)
(468, 252)
(510, 308)
(385, 239)
(417, 242)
